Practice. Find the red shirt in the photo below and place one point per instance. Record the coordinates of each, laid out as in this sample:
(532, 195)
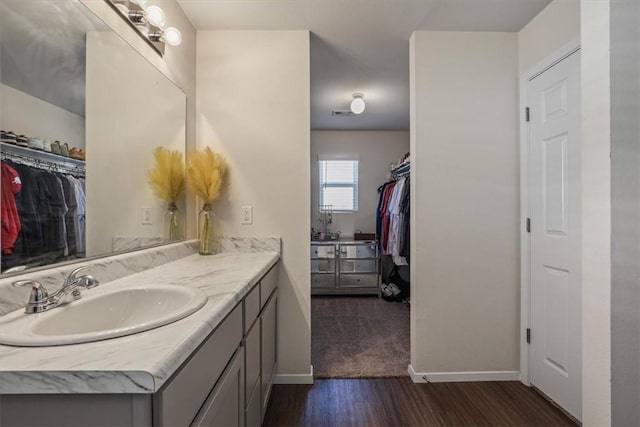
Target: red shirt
(11, 185)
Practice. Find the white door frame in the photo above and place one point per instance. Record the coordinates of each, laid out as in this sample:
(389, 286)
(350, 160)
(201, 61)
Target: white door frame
(525, 283)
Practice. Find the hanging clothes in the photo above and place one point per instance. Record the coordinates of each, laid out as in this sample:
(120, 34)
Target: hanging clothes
(385, 217)
(47, 205)
(80, 214)
(392, 219)
(72, 207)
(405, 209)
(11, 185)
(395, 219)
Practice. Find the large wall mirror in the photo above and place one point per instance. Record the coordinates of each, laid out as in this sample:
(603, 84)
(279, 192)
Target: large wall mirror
(81, 113)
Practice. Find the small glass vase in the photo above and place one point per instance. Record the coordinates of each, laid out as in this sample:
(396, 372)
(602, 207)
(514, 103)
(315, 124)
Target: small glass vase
(206, 238)
(172, 223)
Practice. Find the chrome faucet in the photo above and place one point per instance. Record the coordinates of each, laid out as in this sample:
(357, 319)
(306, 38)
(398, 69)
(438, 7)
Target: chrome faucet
(40, 300)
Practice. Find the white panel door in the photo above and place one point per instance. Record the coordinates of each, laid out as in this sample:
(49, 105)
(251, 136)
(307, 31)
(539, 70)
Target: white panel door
(555, 355)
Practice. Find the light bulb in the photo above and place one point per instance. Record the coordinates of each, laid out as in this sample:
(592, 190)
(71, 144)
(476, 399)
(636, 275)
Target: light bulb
(155, 16)
(172, 36)
(357, 105)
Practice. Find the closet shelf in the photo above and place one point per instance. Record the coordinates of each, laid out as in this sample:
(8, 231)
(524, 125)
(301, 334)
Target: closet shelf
(41, 155)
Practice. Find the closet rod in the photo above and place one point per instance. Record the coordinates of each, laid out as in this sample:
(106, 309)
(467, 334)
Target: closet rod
(44, 164)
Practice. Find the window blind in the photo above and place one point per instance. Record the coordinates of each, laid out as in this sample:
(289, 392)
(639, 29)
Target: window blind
(339, 185)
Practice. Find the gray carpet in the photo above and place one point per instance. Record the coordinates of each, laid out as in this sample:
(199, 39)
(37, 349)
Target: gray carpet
(359, 337)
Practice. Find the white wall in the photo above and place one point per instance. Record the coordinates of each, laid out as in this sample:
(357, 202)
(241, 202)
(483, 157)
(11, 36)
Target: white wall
(375, 151)
(596, 211)
(464, 202)
(127, 118)
(253, 106)
(31, 116)
(178, 64)
(557, 25)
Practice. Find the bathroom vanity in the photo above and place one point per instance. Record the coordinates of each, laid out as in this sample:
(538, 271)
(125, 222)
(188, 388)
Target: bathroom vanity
(214, 367)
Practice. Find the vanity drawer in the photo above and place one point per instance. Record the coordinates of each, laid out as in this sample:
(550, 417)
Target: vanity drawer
(252, 358)
(180, 399)
(268, 284)
(251, 307)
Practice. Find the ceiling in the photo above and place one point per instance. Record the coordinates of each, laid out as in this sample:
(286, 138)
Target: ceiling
(361, 45)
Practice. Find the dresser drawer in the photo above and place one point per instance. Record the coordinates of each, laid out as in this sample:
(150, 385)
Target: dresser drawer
(323, 265)
(366, 251)
(358, 281)
(323, 251)
(323, 281)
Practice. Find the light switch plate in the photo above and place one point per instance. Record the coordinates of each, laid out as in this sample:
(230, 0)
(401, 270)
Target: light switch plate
(247, 215)
(146, 215)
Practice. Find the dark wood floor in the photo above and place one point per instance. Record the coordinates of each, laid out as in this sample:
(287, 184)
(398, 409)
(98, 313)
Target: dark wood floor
(399, 402)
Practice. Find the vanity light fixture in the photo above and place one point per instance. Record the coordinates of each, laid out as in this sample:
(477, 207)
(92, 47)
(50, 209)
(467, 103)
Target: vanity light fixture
(149, 22)
(171, 36)
(155, 16)
(357, 105)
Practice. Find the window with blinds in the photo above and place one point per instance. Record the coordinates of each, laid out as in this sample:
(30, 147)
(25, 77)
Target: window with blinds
(339, 185)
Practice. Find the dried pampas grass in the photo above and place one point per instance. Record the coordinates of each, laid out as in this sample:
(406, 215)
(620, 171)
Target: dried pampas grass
(166, 177)
(205, 173)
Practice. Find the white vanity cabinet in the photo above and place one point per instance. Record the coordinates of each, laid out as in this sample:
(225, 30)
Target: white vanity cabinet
(260, 346)
(226, 381)
(179, 401)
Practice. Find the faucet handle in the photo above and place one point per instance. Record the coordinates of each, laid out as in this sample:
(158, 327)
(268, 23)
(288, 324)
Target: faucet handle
(72, 276)
(38, 297)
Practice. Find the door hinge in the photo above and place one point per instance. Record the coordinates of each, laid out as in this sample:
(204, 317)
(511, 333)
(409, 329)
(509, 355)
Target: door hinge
(526, 114)
(528, 336)
(528, 225)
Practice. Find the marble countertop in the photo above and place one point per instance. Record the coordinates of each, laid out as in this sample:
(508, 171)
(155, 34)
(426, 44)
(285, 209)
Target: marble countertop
(139, 363)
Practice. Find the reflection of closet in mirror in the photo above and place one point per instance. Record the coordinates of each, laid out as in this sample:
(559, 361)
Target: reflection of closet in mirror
(42, 120)
(47, 67)
(43, 201)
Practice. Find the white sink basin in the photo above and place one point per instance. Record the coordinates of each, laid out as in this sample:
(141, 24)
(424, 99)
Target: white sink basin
(101, 314)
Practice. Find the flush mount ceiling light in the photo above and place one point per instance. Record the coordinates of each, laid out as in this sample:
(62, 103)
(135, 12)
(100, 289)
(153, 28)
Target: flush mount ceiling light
(149, 22)
(357, 105)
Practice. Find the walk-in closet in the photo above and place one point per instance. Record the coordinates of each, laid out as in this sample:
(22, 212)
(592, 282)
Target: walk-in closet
(360, 290)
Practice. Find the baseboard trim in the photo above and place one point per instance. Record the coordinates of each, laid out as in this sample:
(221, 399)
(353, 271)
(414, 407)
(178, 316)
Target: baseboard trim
(453, 377)
(294, 378)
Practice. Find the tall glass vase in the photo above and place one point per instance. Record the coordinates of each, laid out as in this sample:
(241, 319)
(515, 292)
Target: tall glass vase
(205, 230)
(172, 223)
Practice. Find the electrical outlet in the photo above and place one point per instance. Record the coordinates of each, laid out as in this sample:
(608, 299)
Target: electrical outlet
(247, 215)
(146, 215)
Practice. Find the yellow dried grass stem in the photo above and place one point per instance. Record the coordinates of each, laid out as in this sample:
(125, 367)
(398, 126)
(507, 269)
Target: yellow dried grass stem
(206, 170)
(166, 176)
